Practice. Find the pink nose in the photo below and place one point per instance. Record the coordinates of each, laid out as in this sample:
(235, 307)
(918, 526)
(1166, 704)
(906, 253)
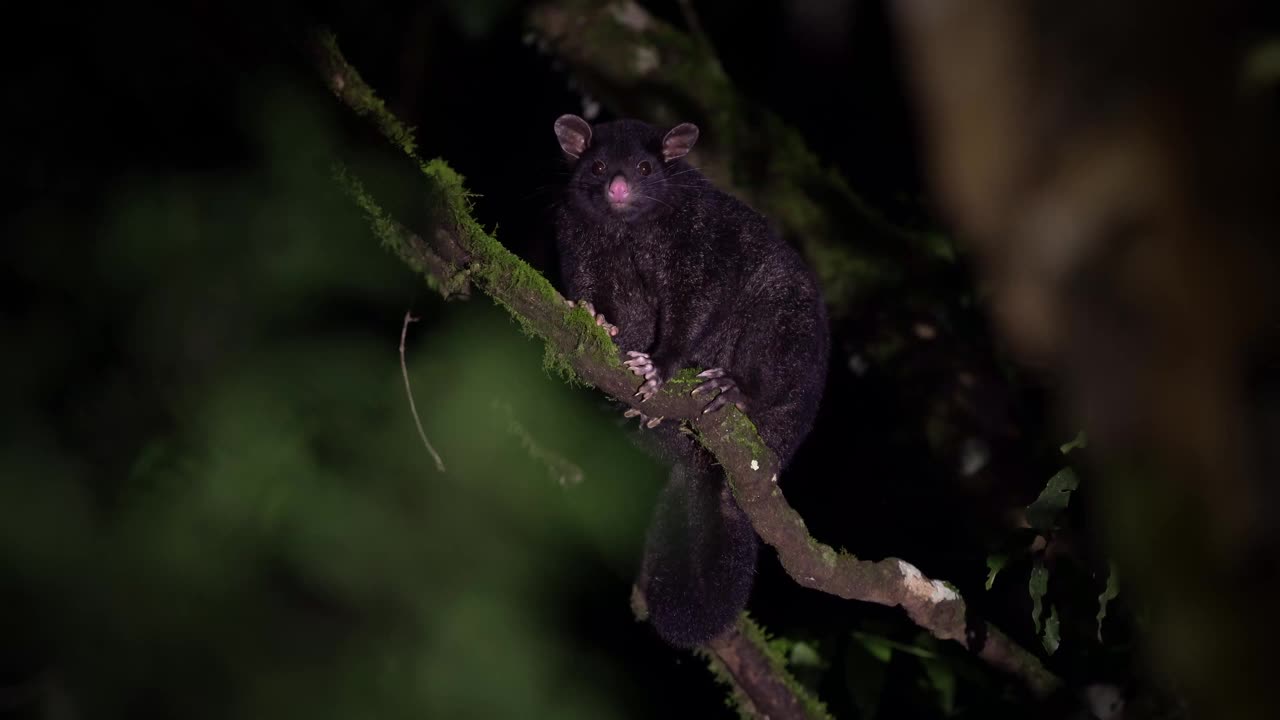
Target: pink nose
(619, 190)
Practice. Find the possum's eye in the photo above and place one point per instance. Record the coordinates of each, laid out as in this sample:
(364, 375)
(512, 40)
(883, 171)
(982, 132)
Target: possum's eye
(644, 167)
(598, 168)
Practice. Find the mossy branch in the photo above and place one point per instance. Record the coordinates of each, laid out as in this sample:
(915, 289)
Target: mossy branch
(643, 67)
(457, 251)
(760, 684)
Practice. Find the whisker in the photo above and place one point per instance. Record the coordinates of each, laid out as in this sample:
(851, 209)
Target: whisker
(650, 197)
(662, 181)
(670, 184)
(706, 173)
(681, 172)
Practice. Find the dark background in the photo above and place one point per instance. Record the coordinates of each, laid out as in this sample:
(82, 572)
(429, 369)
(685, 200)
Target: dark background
(213, 498)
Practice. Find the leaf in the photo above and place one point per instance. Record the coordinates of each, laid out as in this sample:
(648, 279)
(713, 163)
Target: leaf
(1081, 441)
(879, 647)
(942, 679)
(995, 563)
(1043, 513)
(805, 655)
(1113, 589)
(1052, 637)
(1037, 587)
(865, 674)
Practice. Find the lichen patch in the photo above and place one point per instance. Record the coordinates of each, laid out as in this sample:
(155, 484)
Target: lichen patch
(935, 591)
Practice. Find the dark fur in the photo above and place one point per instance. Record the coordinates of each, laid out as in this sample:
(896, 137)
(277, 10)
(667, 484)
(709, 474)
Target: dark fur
(698, 279)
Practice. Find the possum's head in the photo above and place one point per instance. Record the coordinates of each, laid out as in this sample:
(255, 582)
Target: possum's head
(626, 169)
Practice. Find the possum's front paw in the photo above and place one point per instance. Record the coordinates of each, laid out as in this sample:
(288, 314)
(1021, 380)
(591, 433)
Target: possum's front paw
(600, 319)
(641, 364)
(729, 392)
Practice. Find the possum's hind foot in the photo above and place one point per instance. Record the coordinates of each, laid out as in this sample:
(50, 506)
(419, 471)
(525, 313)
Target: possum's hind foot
(641, 364)
(727, 391)
(599, 317)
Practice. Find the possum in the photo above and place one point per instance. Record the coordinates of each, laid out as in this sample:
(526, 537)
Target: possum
(684, 275)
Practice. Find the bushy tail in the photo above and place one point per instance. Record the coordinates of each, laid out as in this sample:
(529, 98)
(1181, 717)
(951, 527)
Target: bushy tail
(700, 555)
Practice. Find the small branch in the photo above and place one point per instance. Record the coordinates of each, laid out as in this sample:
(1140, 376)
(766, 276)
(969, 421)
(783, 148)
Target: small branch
(562, 470)
(763, 688)
(587, 354)
(408, 391)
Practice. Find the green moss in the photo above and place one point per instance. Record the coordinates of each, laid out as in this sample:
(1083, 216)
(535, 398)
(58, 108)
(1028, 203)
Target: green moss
(773, 648)
(829, 555)
(554, 363)
(776, 650)
(357, 94)
(384, 228)
(499, 272)
(498, 269)
(591, 340)
(391, 235)
(685, 380)
(506, 278)
(493, 264)
(736, 698)
(739, 428)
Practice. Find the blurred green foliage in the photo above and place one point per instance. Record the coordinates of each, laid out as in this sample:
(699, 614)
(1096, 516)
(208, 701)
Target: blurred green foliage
(239, 519)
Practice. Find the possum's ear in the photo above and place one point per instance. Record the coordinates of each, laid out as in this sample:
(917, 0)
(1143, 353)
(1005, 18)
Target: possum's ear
(574, 134)
(679, 141)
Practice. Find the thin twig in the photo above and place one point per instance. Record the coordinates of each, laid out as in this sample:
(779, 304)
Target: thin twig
(561, 469)
(408, 391)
